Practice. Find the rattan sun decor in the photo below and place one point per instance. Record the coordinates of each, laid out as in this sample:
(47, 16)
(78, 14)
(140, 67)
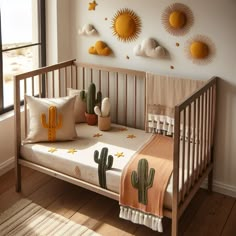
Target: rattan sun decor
(200, 49)
(177, 19)
(126, 25)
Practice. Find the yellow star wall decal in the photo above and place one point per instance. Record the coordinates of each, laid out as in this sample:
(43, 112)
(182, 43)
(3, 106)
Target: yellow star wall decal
(119, 154)
(52, 150)
(98, 135)
(123, 129)
(131, 136)
(72, 151)
(92, 6)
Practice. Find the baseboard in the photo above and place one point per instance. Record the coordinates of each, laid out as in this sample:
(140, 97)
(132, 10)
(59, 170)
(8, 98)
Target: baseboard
(220, 187)
(6, 166)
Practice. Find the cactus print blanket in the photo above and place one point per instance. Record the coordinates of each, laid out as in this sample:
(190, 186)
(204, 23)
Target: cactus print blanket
(144, 182)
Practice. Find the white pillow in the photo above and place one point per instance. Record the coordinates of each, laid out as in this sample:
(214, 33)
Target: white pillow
(50, 119)
(80, 105)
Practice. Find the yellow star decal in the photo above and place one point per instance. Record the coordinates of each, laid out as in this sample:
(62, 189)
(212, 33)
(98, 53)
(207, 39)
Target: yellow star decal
(72, 151)
(123, 129)
(98, 135)
(119, 154)
(52, 150)
(131, 136)
(92, 6)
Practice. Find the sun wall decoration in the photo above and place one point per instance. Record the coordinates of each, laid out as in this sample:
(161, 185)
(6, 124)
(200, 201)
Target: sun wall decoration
(126, 25)
(177, 19)
(200, 49)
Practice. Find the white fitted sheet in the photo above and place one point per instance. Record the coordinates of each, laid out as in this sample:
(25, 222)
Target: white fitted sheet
(76, 158)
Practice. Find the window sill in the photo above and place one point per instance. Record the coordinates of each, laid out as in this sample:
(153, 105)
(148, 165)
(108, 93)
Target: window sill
(6, 115)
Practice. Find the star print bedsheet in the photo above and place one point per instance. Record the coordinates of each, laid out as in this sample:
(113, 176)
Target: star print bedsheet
(76, 158)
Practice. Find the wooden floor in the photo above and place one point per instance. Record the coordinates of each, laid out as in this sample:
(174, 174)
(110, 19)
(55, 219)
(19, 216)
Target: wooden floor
(208, 214)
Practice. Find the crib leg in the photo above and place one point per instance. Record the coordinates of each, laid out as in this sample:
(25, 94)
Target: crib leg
(18, 177)
(210, 181)
(174, 222)
(174, 225)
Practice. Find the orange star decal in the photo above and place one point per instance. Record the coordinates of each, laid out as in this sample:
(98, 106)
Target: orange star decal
(52, 150)
(72, 151)
(119, 154)
(98, 135)
(123, 129)
(92, 6)
(131, 136)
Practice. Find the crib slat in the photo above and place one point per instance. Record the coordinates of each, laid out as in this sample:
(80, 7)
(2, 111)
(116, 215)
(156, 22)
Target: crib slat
(117, 97)
(194, 144)
(100, 80)
(32, 85)
(126, 99)
(53, 84)
(25, 107)
(135, 101)
(183, 154)
(40, 85)
(210, 123)
(198, 137)
(188, 182)
(202, 133)
(65, 80)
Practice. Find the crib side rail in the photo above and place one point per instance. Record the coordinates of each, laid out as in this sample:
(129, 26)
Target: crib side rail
(193, 144)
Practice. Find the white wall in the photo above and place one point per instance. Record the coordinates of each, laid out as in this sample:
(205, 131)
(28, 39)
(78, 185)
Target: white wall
(213, 18)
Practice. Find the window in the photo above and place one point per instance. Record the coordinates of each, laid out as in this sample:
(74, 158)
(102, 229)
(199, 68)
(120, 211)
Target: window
(22, 41)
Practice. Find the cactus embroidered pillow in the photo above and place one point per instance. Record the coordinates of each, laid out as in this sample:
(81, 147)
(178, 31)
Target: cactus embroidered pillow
(50, 119)
(80, 105)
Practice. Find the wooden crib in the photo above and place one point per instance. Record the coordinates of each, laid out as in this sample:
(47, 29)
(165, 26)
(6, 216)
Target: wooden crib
(127, 89)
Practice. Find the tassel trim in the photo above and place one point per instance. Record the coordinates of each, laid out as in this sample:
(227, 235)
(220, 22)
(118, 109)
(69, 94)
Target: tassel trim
(138, 217)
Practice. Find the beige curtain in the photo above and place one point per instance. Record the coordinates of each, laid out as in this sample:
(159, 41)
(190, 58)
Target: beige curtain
(162, 94)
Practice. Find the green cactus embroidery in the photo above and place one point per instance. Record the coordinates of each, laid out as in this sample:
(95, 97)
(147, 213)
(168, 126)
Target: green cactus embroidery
(53, 124)
(141, 181)
(90, 98)
(104, 163)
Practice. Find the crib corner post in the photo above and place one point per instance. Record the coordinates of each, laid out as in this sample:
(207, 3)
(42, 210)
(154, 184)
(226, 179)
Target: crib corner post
(174, 225)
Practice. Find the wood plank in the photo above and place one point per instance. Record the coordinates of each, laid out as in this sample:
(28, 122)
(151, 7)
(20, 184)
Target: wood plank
(111, 224)
(49, 192)
(230, 226)
(211, 216)
(71, 201)
(29, 185)
(8, 179)
(195, 204)
(90, 215)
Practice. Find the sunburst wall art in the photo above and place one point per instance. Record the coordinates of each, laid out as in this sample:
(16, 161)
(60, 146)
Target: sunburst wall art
(177, 19)
(200, 49)
(126, 25)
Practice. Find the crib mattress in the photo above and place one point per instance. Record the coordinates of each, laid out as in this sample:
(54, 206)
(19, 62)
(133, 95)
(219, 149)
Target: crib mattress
(76, 158)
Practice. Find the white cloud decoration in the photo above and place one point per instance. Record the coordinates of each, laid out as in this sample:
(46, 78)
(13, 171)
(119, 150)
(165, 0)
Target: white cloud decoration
(149, 48)
(87, 29)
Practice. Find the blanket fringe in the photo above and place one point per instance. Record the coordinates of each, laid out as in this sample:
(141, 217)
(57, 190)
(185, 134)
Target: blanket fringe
(153, 222)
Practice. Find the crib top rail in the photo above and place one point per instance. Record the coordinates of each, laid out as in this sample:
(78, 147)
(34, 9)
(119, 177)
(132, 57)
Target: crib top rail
(111, 69)
(43, 70)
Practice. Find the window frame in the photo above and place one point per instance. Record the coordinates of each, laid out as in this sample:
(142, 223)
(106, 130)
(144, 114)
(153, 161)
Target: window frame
(42, 49)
